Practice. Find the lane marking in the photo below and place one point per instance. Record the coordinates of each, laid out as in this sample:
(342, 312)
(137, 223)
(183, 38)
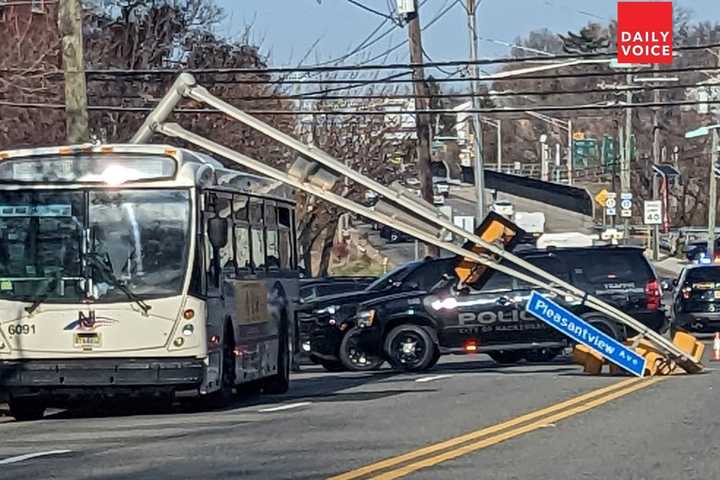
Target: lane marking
(284, 407)
(28, 456)
(493, 440)
(430, 379)
(391, 462)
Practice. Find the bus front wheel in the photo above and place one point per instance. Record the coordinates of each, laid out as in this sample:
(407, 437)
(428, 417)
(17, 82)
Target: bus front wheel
(224, 396)
(25, 410)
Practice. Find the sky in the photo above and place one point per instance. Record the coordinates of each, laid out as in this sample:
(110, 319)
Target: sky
(287, 29)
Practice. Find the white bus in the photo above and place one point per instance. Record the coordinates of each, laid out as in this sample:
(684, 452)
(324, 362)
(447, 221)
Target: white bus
(140, 270)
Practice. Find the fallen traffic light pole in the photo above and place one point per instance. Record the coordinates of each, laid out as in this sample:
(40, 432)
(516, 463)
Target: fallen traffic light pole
(316, 172)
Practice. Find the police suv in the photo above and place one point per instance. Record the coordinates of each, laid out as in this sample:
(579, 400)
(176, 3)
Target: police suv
(411, 329)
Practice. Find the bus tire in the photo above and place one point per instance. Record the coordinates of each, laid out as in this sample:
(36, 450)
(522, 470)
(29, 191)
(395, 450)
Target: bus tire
(280, 382)
(26, 410)
(224, 396)
(409, 347)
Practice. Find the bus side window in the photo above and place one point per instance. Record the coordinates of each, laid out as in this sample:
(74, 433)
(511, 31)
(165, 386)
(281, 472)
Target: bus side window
(242, 232)
(285, 242)
(226, 254)
(257, 235)
(271, 236)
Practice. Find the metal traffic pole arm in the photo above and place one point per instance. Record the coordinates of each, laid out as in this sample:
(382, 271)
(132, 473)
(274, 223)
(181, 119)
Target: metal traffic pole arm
(176, 131)
(186, 86)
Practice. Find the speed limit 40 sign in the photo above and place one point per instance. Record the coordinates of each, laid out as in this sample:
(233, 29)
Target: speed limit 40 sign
(653, 212)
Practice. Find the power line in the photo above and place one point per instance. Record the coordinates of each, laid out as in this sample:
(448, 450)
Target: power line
(544, 108)
(359, 67)
(490, 95)
(27, 2)
(372, 10)
(397, 46)
(392, 79)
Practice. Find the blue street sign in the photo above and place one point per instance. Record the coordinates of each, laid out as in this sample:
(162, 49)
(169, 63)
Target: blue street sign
(582, 332)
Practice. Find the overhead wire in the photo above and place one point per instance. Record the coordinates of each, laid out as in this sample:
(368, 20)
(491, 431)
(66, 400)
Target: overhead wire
(493, 77)
(366, 66)
(339, 112)
(464, 94)
(372, 10)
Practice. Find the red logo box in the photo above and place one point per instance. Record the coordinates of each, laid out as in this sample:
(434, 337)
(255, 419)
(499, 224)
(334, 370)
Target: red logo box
(644, 32)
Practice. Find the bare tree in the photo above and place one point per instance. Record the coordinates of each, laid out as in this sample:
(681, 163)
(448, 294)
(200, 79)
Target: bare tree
(30, 64)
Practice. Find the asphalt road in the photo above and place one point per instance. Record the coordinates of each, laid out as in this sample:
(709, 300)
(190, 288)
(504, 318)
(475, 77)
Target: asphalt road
(343, 424)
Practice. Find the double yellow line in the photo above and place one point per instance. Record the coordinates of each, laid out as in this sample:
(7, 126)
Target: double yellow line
(431, 455)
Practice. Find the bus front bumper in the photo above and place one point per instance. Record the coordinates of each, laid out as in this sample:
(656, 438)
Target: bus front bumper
(35, 376)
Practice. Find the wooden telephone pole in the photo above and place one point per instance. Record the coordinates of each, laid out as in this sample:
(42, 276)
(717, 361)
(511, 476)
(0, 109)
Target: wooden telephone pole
(422, 120)
(70, 27)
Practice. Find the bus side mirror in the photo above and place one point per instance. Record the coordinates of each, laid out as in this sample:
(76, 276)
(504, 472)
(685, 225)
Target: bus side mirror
(218, 232)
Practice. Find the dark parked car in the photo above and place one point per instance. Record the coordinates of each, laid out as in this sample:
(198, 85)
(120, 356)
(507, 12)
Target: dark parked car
(697, 250)
(325, 322)
(411, 329)
(696, 299)
(394, 236)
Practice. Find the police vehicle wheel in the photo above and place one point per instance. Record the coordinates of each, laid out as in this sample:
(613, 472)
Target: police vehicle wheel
(409, 347)
(506, 357)
(26, 410)
(542, 354)
(353, 357)
(605, 325)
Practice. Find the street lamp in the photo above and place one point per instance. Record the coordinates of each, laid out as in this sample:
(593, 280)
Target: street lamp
(712, 195)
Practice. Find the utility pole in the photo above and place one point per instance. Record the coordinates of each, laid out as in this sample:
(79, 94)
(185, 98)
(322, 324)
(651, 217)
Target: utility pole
(479, 163)
(70, 27)
(422, 120)
(570, 152)
(499, 145)
(712, 200)
(625, 171)
(656, 159)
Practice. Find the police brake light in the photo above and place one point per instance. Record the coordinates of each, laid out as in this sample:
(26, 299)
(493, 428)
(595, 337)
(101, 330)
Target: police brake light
(471, 346)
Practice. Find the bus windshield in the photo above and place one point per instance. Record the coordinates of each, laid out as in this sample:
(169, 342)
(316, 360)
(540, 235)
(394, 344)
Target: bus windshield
(141, 235)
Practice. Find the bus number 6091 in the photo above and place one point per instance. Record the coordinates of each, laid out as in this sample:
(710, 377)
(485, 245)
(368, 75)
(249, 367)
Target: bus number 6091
(21, 329)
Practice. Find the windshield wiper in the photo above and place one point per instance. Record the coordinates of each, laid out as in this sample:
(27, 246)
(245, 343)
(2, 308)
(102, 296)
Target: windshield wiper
(49, 287)
(104, 266)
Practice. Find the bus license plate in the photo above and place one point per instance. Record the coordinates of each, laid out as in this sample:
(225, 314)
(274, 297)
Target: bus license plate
(87, 340)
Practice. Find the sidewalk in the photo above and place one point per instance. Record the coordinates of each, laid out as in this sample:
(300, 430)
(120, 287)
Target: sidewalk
(669, 266)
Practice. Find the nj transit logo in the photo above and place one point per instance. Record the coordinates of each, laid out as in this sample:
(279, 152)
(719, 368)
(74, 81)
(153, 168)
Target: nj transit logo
(89, 322)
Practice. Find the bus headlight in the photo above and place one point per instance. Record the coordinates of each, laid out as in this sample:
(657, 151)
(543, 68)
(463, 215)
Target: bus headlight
(188, 330)
(365, 318)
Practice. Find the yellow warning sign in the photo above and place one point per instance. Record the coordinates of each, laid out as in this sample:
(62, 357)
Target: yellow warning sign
(602, 197)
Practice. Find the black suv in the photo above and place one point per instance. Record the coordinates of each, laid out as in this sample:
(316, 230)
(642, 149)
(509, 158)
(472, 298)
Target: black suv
(412, 329)
(312, 288)
(324, 323)
(696, 299)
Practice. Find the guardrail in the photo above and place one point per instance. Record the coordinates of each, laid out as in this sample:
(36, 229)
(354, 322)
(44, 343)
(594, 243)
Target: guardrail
(557, 175)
